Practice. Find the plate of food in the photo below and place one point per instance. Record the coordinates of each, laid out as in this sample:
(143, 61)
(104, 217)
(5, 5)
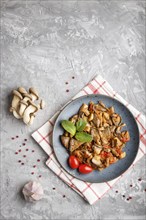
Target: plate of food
(95, 138)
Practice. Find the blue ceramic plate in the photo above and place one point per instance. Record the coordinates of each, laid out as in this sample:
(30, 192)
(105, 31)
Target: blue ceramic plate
(114, 170)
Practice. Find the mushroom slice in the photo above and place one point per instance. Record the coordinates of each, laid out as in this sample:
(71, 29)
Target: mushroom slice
(116, 119)
(96, 160)
(65, 141)
(118, 129)
(97, 120)
(98, 107)
(111, 110)
(84, 109)
(122, 155)
(89, 159)
(96, 136)
(106, 133)
(78, 154)
(91, 116)
(74, 119)
(74, 144)
(114, 152)
(97, 149)
(112, 128)
(106, 116)
(125, 136)
(86, 153)
(102, 104)
(116, 142)
(87, 128)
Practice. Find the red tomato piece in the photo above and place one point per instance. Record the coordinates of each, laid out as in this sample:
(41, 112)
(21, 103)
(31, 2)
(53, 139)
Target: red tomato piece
(73, 162)
(85, 169)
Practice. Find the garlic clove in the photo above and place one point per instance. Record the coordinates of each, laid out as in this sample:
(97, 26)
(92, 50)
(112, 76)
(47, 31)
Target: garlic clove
(32, 191)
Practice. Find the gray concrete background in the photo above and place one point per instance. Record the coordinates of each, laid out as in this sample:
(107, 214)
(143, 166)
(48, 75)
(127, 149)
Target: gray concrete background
(44, 44)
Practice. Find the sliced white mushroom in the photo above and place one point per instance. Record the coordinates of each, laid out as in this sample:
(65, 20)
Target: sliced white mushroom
(34, 94)
(32, 108)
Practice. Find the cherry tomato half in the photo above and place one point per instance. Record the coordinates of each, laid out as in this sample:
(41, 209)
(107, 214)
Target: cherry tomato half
(73, 162)
(84, 169)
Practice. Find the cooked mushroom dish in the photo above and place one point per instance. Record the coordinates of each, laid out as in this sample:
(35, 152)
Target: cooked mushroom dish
(95, 136)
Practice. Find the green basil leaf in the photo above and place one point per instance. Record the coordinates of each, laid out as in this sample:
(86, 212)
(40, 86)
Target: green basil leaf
(80, 125)
(83, 137)
(69, 127)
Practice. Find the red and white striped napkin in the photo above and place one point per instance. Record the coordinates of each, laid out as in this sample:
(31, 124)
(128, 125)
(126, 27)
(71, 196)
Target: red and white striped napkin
(92, 192)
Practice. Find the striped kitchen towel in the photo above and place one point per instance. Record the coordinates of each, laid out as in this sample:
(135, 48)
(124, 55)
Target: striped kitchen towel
(92, 192)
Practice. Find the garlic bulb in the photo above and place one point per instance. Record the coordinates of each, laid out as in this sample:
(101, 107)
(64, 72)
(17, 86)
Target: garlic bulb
(32, 191)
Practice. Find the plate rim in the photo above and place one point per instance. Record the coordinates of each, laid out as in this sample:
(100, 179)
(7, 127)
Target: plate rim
(74, 100)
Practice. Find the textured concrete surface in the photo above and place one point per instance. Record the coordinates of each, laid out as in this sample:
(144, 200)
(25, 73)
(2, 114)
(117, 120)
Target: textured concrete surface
(44, 44)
